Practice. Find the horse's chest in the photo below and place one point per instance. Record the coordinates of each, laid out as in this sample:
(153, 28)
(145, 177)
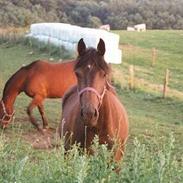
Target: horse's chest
(103, 136)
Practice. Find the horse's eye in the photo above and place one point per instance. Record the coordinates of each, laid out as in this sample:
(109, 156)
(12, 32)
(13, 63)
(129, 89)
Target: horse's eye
(103, 74)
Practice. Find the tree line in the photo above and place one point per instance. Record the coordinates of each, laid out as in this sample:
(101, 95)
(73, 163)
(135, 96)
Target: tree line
(156, 14)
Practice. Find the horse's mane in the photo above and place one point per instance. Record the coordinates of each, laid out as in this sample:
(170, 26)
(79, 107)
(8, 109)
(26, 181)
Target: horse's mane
(91, 56)
(9, 82)
(29, 66)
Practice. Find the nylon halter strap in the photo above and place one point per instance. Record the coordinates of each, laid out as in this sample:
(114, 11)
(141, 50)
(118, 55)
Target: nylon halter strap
(3, 120)
(90, 89)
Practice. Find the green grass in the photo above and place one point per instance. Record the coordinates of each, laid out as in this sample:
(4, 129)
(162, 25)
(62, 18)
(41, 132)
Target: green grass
(169, 41)
(155, 147)
(137, 50)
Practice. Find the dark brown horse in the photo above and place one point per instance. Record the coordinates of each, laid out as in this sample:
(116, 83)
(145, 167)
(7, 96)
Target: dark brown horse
(38, 80)
(91, 107)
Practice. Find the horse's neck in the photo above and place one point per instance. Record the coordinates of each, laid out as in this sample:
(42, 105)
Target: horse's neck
(106, 111)
(9, 99)
(10, 92)
(9, 102)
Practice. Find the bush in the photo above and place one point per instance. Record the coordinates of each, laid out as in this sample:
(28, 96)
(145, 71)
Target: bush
(145, 163)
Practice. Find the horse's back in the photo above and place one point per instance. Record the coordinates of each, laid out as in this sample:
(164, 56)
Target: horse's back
(48, 68)
(49, 79)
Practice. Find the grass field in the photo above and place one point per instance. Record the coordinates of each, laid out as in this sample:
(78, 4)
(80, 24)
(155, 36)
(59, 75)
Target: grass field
(155, 146)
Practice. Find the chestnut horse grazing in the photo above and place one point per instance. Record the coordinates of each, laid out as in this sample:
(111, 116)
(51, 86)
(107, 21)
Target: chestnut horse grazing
(91, 107)
(38, 80)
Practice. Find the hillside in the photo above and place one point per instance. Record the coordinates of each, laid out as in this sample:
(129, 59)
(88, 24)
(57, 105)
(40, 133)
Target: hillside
(119, 14)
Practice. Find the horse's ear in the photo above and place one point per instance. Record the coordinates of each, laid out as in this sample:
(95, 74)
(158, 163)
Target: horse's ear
(101, 47)
(81, 47)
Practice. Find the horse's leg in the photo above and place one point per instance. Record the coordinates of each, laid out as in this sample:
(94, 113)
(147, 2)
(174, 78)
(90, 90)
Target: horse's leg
(119, 154)
(34, 103)
(43, 116)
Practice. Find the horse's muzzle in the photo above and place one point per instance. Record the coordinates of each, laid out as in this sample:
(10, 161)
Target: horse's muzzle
(89, 115)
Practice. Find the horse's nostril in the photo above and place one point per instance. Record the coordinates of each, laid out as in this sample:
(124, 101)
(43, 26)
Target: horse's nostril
(81, 113)
(96, 113)
(88, 113)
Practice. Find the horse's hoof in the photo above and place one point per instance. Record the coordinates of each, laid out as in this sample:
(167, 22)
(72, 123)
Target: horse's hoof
(49, 128)
(40, 130)
(46, 127)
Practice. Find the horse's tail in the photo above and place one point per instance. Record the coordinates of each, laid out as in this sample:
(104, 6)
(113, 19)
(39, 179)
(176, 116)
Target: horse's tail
(16, 82)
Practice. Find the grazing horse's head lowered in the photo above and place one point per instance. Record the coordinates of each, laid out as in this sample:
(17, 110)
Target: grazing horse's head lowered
(5, 117)
(91, 71)
(39, 80)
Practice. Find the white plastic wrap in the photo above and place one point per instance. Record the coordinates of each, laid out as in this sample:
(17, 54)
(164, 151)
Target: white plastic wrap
(68, 35)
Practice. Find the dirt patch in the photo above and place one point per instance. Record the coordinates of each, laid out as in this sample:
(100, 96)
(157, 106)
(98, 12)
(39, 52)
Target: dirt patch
(41, 140)
(22, 129)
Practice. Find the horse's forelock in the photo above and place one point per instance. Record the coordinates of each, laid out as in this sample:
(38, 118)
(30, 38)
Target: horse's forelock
(91, 57)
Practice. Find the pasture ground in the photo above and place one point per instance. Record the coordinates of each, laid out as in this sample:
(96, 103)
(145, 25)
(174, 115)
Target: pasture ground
(155, 145)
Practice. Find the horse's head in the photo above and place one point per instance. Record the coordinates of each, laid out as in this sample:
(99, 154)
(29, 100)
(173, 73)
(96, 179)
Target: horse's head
(5, 117)
(91, 71)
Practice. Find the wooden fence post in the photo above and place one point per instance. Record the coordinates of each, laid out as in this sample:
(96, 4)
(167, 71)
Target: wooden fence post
(131, 77)
(166, 80)
(154, 56)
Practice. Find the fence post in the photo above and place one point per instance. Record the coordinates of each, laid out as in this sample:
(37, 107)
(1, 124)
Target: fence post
(154, 56)
(166, 80)
(131, 77)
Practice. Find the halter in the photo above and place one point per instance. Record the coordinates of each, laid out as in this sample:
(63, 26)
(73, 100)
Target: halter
(91, 89)
(109, 85)
(2, 120)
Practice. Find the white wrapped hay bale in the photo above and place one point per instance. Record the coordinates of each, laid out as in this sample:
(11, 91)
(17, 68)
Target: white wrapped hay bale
(68, 35)
(114, 56)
